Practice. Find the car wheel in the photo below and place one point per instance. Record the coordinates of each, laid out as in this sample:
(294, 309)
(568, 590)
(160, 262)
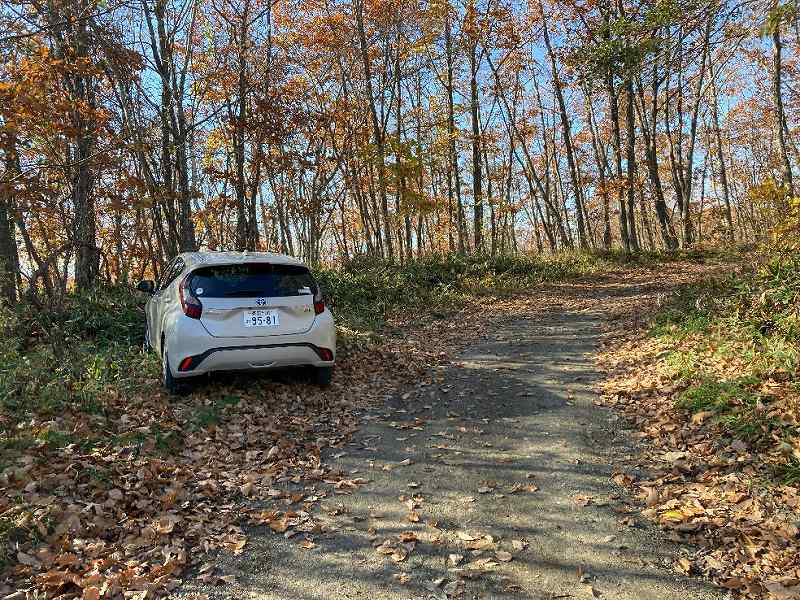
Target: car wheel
(172, 385)
(321, 376)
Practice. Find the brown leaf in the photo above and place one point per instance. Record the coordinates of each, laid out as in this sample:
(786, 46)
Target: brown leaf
(699, 417)
(683, 565)
(399, 554)
(385, 548)
(91, 593)
(482, 543)
(623, 479)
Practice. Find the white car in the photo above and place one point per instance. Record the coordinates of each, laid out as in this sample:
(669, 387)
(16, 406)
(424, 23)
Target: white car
(227, 311)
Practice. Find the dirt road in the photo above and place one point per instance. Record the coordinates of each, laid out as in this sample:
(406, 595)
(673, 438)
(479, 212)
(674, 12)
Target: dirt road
(507, 443)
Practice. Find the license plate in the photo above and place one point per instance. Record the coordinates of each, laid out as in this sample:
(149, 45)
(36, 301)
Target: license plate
(261, 318)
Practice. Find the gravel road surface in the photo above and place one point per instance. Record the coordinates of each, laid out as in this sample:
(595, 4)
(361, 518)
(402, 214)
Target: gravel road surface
(506, 442)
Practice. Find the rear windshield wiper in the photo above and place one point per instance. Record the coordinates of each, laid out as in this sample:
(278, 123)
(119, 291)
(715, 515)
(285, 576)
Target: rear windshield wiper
(246, 293)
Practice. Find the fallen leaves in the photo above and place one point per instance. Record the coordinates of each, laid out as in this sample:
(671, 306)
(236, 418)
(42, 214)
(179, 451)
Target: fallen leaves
(162, 491)
(504, 556)
(483, 542)
(235, 543)
(623, 479)
(139, 517)
(397, 548)
(209, 574)
(402, 578)
(704, 487)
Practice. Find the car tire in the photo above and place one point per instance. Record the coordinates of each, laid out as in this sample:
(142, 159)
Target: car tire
(172, 385)
(321, 376)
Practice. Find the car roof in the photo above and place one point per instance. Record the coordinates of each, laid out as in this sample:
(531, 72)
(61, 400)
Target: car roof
(202, 259)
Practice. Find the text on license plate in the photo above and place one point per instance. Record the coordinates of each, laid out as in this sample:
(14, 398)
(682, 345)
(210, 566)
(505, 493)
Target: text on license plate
(261, 318)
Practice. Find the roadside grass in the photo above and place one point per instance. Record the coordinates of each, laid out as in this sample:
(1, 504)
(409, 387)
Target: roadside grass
(365, 293)
(789, 472)
(66, 364)
(717, 396)
(733, 344)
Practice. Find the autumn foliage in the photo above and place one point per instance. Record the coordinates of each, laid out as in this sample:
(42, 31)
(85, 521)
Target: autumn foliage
(131, 132)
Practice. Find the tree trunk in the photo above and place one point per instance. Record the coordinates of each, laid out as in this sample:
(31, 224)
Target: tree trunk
(452, 159)
(87, 256)
(377, 131)
(601, 161)
(617, 145)
(777, 98)
(648, 129)
(723, 173)
(477, 191)
(562, 109)
(9, 257)
(688, 171)
(630, 159)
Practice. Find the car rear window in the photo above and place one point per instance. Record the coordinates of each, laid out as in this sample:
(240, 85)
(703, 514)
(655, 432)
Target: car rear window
(252, 280)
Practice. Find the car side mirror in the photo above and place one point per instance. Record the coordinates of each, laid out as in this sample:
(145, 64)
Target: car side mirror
(147, 286)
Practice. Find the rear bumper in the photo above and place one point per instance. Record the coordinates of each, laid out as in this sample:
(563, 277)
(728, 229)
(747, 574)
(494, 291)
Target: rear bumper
(193, 352)
(253, 357)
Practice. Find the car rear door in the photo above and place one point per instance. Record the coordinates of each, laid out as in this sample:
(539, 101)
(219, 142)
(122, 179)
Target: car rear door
(159, 301)
(254, 300)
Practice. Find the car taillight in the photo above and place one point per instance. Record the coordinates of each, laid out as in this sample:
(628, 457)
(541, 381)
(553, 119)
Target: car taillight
(319, 302)
(191, 305)
(325, 353)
